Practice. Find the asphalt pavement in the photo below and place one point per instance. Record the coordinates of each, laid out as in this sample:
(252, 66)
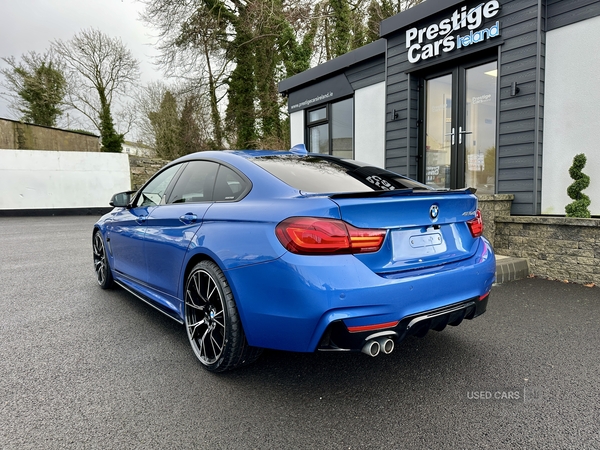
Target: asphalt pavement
(85, 368)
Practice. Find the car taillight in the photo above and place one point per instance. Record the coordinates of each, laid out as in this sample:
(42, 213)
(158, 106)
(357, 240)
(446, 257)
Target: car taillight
(320, 236)
(476, 225)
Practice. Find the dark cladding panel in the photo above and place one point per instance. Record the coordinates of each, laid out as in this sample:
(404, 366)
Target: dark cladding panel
(398, 95)
(413, 130)
(520, 114)
(567, 12)
(367, 73)
(318, 93)
(518, 15)
(519, 53)
(508, 116)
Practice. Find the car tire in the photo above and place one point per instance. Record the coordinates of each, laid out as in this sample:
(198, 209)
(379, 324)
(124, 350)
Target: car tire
(101, 266)
(212, 321)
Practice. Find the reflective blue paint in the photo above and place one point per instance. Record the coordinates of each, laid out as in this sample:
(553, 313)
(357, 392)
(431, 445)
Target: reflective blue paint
(125, 233)
(296, 297)
(166, 242)
(299, 149)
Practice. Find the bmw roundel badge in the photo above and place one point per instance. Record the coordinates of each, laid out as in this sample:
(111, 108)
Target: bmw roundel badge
(434, 212)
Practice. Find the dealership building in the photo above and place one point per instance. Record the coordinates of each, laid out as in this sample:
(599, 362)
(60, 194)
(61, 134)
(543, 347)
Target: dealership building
(497, 95)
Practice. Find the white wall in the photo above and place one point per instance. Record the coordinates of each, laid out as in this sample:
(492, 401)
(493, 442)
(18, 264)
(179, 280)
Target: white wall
(369, 124)
(137, 150)
(297, 128)
(35, 179)
(571, 112)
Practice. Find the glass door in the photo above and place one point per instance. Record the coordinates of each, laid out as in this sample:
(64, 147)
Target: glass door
(478, 129)
(459, 134)
(439, 133)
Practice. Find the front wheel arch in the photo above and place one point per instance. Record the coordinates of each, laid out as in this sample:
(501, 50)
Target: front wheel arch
(101, 260)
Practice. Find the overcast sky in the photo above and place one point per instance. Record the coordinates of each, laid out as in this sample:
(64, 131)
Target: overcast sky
(32, 24)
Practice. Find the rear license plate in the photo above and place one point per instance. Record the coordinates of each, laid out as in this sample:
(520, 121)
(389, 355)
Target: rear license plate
(410, 246)
(424, 240)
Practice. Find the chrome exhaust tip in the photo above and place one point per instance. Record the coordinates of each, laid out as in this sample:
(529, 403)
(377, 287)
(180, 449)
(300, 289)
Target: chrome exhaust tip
(386, 345)
(371, 348)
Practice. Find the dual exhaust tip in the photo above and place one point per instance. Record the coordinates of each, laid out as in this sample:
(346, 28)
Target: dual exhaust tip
(380, 345)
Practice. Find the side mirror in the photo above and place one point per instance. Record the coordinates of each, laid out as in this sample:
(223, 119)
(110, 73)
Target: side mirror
(121, 200)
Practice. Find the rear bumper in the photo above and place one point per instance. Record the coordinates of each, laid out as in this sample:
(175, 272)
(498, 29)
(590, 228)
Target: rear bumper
(302, 303)
(338, 337)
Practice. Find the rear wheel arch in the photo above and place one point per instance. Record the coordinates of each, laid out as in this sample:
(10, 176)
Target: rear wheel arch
(193, 261)
(212, 320)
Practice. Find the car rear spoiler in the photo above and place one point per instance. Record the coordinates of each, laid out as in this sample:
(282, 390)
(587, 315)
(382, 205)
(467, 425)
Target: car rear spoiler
(403, 192)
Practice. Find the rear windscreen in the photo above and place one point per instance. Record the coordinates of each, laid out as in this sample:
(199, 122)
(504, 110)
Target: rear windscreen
(321, 174)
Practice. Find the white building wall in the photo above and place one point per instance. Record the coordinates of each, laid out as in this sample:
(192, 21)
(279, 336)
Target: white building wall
(297, 128)
(137, 150)
(571, 107)
(35, 179)
(369, 124)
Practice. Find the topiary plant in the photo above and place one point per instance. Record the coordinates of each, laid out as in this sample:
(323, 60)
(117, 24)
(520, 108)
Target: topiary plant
(579, 208)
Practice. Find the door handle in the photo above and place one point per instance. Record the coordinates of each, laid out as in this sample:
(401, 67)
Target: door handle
(451, 134)
(189, 218)
(141, 219)
(460, 134)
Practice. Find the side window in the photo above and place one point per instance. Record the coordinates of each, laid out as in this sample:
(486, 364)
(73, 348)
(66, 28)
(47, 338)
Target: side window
(196, 183)
(229, 186)
(154, 192)
(318, 130)
(330, 129)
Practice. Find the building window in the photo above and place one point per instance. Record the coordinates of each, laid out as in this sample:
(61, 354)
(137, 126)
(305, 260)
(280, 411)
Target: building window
(330, 129)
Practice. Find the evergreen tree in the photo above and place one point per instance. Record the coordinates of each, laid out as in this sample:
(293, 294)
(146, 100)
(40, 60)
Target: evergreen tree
(240, 118)
(190, 137)
(167, 128)
(341, 19)
(579, 207)
(36, 86)
(111, 140)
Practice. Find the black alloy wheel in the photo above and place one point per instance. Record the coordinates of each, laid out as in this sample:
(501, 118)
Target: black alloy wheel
(103, 272)
(212, 321)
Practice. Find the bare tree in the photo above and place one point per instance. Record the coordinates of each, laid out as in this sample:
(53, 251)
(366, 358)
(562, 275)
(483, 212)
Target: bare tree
(159, 104)
(147, 100)
(378, 10)
(100, 71)
(344, 25)
(192, 43)
(235, 52)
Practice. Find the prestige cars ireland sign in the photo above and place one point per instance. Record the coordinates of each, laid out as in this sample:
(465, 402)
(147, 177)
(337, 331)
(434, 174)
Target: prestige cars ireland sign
(460, 29)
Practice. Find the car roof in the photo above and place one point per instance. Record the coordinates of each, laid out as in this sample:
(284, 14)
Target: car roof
(297, 150)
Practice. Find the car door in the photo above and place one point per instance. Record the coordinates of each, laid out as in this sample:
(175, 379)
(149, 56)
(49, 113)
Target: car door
(171, 227)
(125, 232)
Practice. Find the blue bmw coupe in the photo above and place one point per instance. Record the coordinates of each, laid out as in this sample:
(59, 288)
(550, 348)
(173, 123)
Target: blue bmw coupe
(295, 251)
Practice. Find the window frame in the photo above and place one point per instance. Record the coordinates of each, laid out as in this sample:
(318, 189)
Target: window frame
(166, 194)
(328, 120)
(169, 200)
(317, 122)
(243, 193)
